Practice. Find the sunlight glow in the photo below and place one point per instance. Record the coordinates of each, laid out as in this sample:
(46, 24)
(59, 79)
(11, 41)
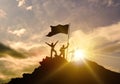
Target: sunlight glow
(79, 55)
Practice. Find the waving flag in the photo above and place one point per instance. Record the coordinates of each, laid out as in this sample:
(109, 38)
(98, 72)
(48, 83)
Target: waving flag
(58, 29)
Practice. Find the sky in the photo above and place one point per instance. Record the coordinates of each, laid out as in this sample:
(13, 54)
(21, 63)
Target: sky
(24, 24)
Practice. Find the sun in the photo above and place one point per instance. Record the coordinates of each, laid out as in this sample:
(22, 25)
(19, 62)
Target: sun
(79, 55)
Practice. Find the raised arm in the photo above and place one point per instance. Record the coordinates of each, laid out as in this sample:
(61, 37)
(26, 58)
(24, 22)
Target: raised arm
(55, 43)
(67, 45)
(47, 43)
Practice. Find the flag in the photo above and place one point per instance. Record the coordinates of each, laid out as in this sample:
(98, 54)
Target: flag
(58, 29)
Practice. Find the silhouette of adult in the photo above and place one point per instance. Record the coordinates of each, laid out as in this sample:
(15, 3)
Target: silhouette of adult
(52, 45)
(62, 50)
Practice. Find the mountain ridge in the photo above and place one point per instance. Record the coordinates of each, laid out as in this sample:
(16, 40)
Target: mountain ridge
(58, 71)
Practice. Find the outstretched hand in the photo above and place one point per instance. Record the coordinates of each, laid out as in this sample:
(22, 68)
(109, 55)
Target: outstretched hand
(56, 42)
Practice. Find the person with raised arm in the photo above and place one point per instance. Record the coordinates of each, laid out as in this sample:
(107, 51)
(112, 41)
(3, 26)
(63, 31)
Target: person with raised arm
(52, 45)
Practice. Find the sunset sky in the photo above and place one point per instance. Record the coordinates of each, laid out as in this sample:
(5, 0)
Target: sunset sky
(24, 24)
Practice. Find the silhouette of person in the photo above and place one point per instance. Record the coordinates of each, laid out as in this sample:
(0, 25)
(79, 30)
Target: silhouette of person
(52, 45)
(62, 50)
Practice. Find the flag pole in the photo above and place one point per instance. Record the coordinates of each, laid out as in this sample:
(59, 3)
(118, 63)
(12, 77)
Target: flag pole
(68, 41)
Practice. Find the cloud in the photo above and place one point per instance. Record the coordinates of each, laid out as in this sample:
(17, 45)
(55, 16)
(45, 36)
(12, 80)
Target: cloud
(20, 61)
(2, 14)
(105, 39)
(21, 2)
(23, 45)
(79, 13)
(110, 2)
(82, 14)
(18, 33)
(29, 8)
(110, 32)
(38, 50)
(24, 4)
(107, 3)
(12, 61)
(108, 47)
(102, 44)
(5, 50)
(19, 45)
(9, 66)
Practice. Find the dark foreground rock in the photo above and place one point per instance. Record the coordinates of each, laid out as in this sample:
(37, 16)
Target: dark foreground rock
(59, 71)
